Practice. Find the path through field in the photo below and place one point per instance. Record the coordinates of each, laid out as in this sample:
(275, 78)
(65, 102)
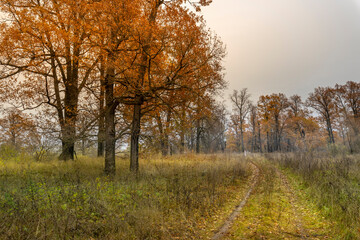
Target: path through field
(273, 209)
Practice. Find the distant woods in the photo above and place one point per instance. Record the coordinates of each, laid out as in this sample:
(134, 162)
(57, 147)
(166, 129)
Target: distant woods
(329, 117)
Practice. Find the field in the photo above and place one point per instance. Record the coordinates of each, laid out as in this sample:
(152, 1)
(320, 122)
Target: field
(182, 197)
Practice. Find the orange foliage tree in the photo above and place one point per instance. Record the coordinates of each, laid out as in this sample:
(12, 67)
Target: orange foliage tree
(323, 101)
(47, 46)
(348, 104)
(149, 55)
(272, 112)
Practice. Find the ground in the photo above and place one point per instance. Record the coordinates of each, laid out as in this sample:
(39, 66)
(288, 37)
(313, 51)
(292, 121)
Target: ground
(180, 197)
(279, 209)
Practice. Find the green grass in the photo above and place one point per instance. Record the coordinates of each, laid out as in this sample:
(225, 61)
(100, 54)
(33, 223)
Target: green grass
(330, 185)
(183, 197)
(274, 212)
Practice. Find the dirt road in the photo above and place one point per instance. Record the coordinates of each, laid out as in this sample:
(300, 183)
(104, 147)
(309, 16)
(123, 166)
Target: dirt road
(273, 209)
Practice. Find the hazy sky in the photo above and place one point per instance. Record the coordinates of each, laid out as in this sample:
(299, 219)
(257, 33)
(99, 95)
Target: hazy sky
(289, 46)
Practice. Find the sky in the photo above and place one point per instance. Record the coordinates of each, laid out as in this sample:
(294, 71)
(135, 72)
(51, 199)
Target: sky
(288, 46)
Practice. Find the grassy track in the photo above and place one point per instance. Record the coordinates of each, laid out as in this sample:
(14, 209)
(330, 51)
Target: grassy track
(275, 212)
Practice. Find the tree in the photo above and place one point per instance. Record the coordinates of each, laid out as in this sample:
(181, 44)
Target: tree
(240, 101)
(348, 105)
(18, 130)
(146, 55)
(47, 45)
(255, 128)
(323, 101)
(271, 109)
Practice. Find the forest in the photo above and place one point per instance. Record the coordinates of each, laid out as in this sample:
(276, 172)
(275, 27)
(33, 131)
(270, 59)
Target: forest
(113, 125)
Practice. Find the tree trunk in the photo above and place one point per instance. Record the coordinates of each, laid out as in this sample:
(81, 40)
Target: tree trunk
(110, 107)
(135, 134)
(259, 137)
(163, 141)
(83, 146)
(110, 166)
(330, 131)
(277, 138)
(182, 141)
(101, 122)
(100, 147)
(68, 128)
(242, 138)
(198, 134)
(182, 129)
(67, 152)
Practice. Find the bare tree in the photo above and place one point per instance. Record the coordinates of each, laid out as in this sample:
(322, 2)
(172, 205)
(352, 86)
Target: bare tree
(240, 101)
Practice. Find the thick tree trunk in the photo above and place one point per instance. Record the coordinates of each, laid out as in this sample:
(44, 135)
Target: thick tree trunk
(68, 127)
(67, 152)
(110, 167)
(110, 107)
(135, 134)
(101, 122)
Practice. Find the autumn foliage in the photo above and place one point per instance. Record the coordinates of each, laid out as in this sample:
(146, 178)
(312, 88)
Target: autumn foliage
(142, 76)
(88, 65)
(328, 118)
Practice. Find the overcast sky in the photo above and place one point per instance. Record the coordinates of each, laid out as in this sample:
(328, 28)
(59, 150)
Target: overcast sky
(288, 46)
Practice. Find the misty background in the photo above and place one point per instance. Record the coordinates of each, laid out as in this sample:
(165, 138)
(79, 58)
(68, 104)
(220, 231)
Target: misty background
(288, 46)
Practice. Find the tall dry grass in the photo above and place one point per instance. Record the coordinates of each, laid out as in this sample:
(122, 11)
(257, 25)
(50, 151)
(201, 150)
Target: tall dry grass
(333, 181)
(74, 200)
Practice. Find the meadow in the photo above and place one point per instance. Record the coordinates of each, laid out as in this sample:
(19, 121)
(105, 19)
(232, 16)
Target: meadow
(179, 197)
(185, 196)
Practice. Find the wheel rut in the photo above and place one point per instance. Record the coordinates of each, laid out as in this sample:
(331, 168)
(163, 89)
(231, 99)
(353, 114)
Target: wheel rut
(273, 208)
(223, 230)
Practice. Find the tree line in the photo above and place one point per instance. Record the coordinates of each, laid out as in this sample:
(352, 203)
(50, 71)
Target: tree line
(328, 116)
(143, 76)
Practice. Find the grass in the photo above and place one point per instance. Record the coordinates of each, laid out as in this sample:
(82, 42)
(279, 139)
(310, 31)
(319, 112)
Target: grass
(273, 211)
(331, 184)
(184, 197)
